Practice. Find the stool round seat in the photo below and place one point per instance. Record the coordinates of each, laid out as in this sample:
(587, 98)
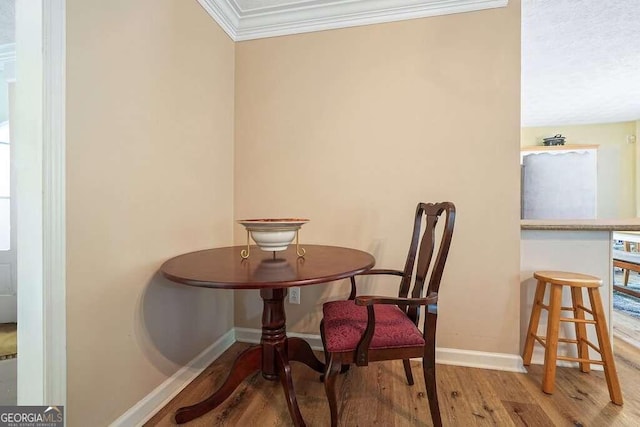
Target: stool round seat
(569, 279)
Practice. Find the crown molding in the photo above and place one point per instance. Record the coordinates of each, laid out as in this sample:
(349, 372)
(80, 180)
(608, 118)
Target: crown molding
(225, 13)
(309, 16)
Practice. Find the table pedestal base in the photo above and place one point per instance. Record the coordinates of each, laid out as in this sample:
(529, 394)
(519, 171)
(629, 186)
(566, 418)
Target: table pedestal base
(271, 357)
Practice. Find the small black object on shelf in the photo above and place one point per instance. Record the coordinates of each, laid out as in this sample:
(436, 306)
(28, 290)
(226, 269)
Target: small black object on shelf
(554, 140)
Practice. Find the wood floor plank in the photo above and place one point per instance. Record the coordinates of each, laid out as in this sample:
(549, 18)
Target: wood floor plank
(582, 399)
(487, 408)
(527, 414)
(379, 395)
(383, 389)
(455, 406)
(626, 327)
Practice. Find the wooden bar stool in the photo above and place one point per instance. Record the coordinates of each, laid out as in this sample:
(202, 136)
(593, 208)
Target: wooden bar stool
(576, 281)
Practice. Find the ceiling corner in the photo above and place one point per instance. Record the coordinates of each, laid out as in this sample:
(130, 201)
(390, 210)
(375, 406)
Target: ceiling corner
(279, 17)
(224, 12)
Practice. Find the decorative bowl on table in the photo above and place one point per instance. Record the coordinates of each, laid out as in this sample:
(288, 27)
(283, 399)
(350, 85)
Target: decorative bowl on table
(272, 234)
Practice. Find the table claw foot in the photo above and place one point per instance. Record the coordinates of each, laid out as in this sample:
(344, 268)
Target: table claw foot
(248, 362)
(300, 351)
(287, 384)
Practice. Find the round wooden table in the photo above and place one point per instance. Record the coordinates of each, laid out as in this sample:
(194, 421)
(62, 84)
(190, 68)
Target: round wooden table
(272, 273)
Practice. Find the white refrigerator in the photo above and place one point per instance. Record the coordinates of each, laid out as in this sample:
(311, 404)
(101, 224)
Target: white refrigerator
(559, 185)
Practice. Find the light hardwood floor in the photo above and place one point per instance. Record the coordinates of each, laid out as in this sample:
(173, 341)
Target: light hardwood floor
(627, 328)
(379, 395)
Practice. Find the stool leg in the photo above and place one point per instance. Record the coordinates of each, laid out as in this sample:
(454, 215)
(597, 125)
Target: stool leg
(581, 328)
(627, 248)
(551, 349)
(605, 347)
(533, 323)
(626, 276)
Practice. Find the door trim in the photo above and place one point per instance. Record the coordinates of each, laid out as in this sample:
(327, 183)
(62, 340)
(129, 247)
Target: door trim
(54, 223)
(40, 165)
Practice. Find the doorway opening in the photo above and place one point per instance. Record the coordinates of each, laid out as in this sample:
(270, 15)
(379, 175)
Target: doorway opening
(626, 287)
(8, 247)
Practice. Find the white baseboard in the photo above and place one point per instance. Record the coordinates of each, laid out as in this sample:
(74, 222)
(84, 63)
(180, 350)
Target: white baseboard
(161, 395)
(445, 356)
(480, 359)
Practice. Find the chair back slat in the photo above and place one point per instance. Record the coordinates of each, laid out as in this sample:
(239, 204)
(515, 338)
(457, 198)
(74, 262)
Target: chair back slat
(405, 284)
(429, 213)
(443, 251)
(425, 254)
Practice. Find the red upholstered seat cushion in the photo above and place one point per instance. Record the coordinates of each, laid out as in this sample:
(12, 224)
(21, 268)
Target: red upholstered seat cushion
(345, 322)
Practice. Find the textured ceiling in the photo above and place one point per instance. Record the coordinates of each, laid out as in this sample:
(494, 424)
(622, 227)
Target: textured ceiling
(580, 61)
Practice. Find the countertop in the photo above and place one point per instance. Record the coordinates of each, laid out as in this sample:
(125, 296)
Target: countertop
(630, 224)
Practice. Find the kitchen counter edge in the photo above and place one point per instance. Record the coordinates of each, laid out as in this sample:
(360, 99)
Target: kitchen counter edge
(631, 224)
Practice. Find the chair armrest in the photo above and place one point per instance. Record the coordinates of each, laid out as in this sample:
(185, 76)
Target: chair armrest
(367, 300)
(352, 295)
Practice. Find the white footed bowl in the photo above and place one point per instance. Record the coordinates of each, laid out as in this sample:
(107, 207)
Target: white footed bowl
(273, 234)
(273, 240)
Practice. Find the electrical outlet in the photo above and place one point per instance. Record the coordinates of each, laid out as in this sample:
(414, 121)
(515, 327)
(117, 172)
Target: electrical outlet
(294, 295)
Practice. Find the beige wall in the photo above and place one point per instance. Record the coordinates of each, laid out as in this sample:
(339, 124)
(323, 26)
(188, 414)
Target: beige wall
(351, 128)
(149, 176)
(616, 165)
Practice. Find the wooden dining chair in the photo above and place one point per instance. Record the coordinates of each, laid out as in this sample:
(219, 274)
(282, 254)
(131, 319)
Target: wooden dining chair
(367, 329)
